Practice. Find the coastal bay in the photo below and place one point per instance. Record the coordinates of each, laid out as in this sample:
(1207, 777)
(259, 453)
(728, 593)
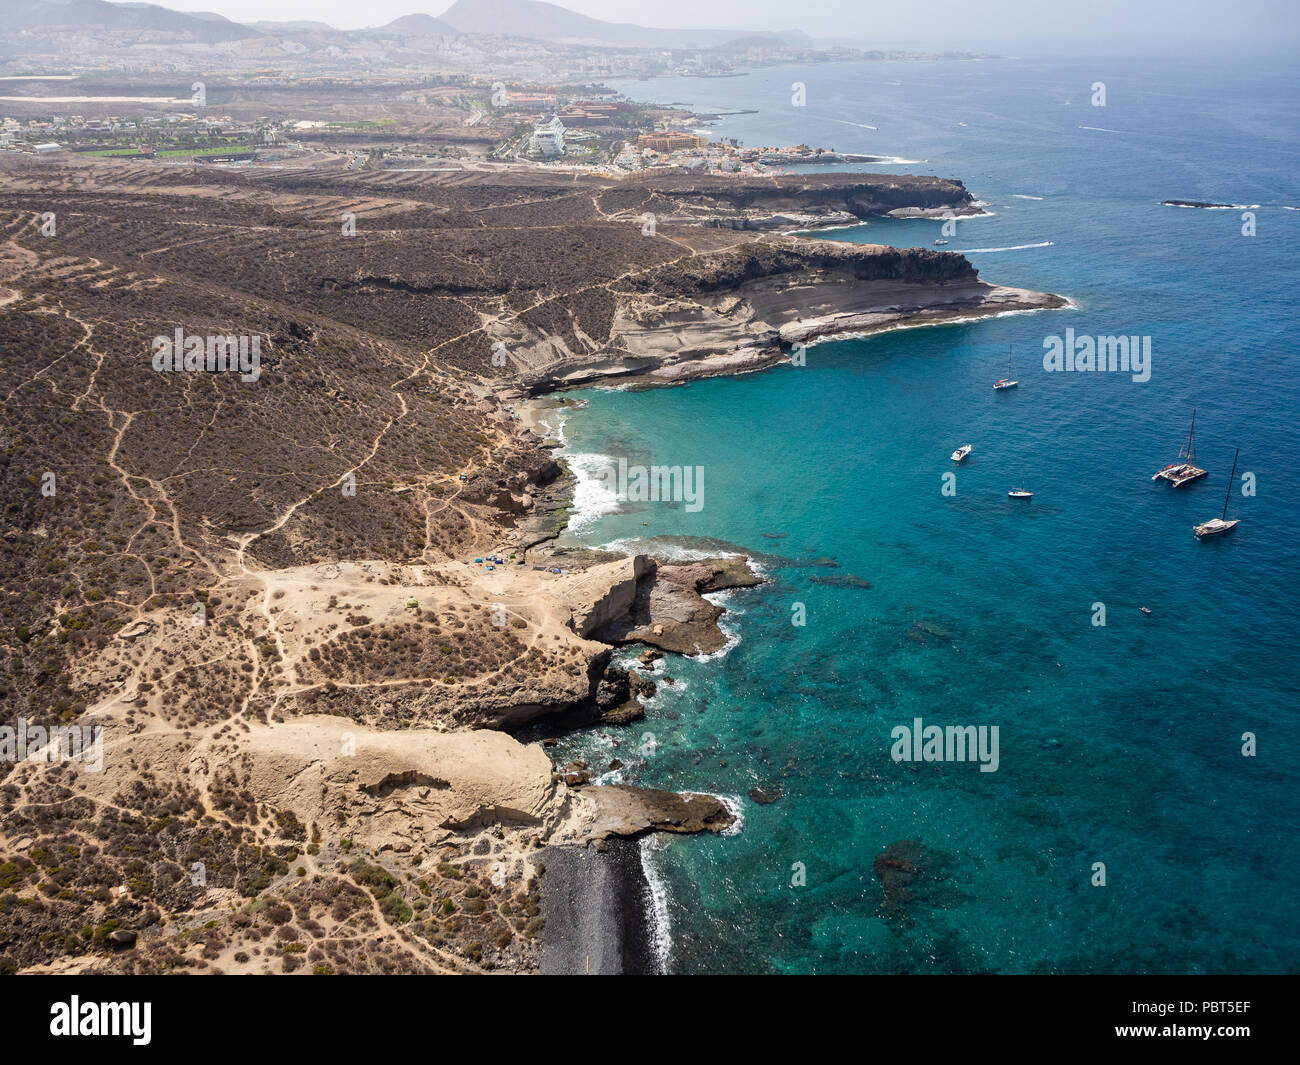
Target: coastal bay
(965, 611)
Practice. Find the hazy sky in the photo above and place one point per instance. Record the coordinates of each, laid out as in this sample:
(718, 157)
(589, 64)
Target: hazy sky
(1125, 24)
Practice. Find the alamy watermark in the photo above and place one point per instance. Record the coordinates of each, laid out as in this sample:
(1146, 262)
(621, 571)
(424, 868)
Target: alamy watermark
(1085, 354)
(919, 742)
(654, 484)
(60, 743)
(211, 354)
(77, 1018)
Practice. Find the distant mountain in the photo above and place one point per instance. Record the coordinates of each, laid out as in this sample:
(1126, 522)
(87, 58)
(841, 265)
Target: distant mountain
(547, 22)
(766, 40)
(514, 18)
(419, 25)
(296, 26)
(98, 14)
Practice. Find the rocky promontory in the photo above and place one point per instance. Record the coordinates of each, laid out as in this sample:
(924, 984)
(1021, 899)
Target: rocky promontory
(743, 310)
(669, 610)
(823, 199)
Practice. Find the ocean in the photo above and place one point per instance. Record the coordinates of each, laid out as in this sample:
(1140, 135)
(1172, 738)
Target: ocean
(1120, 744)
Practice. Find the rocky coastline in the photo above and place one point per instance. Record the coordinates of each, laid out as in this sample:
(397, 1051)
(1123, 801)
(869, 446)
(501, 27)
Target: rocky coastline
(381, 620)
(660, 605)
(751, 312)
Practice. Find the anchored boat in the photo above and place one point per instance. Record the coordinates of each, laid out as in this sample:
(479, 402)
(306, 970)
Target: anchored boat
(1184, 471)
(960, 454)
(1006, 382)
(1022, 492)
(1220, 525)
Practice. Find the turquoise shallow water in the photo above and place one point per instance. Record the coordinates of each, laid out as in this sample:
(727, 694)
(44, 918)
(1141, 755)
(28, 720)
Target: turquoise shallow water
(1119, 744)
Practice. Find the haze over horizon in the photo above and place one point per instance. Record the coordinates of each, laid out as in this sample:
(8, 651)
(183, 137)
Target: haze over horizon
(1145, 25)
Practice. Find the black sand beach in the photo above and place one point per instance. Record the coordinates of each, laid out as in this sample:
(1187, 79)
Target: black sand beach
(597, 911)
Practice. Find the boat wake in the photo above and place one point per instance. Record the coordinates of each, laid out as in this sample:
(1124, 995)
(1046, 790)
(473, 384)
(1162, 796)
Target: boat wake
(1013, 247)
(1103, 129)
(1022, 196)
(845, 122)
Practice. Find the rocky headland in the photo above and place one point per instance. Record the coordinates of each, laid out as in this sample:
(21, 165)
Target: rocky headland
(747, 310)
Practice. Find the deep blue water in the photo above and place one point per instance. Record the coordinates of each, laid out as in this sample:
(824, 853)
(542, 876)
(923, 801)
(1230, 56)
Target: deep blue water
(1118, 744)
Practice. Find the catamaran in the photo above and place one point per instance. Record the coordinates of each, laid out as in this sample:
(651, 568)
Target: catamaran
(961, 453)
(1184, 471)
(1006, 382)
(1219, 526)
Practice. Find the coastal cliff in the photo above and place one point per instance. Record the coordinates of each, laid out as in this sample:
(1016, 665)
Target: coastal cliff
(801, 200)
(742, 311)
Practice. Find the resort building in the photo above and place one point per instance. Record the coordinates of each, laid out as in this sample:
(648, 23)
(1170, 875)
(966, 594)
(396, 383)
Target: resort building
(670, 141)
(548, 139)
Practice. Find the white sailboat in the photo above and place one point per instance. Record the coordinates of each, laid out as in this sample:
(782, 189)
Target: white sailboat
(1003, 383)
(1022, 492)
(1220, 525)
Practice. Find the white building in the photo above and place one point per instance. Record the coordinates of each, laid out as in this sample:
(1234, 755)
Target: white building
(548, 139)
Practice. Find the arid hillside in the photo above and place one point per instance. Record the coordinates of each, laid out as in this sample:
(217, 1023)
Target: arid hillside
(198, 553)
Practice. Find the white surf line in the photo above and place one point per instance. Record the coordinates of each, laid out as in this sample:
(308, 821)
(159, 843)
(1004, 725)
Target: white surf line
(660, 924)
(591, 498)
(1013, 247)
